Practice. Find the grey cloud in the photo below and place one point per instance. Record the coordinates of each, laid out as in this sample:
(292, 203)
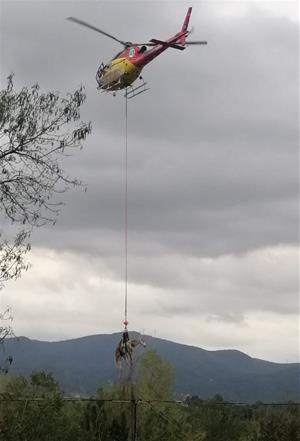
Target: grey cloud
(213, 160)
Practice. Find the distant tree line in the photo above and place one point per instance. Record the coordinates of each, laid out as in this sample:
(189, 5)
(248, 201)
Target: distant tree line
(35, 409)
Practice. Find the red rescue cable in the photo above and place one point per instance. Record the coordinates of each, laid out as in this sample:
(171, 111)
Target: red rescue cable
(126, 208)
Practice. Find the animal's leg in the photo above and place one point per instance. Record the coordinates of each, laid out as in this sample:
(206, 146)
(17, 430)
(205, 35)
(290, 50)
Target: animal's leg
(118, 357)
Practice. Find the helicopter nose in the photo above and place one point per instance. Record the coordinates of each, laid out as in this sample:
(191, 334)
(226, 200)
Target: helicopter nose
(100, 82)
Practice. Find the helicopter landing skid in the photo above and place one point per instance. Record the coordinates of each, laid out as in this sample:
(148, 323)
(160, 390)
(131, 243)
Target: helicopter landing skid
(131, 92)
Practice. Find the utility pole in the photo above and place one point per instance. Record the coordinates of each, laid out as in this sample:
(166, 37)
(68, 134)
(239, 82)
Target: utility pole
(134, 420)
(134, 404)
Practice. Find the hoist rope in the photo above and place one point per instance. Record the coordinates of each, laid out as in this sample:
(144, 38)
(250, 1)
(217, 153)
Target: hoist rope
(126, 209)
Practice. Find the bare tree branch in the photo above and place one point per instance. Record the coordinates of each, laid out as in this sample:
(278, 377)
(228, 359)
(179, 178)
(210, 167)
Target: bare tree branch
(37, 131)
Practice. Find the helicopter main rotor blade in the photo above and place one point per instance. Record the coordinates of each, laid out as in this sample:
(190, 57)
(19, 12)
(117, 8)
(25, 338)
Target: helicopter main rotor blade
(155, 42)
(87, 25)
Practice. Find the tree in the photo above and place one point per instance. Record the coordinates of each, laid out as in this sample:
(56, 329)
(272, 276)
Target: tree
(35, 410)
(12, 254)
(37, 131)
(109, 418)
(5, 331)
(155, 377)
(5, 328)
(279, 425)
(128, 409)
(159, 417)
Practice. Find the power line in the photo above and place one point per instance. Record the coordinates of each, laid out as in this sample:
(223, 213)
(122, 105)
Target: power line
(151, 402)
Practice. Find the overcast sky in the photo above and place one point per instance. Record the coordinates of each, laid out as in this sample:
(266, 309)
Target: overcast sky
(213, 203)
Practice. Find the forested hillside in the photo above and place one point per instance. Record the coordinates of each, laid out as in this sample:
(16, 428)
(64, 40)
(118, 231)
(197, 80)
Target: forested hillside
(82, 365)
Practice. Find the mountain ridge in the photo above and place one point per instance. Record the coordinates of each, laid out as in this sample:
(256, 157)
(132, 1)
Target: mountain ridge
(83, 364)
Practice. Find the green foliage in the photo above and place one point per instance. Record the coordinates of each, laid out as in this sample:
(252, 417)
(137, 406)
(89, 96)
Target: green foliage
(217, 421)
(107, 420)
(278, 425)
(110, 417)
(158, 420)
(155, 378)
(35, 410)
(4, 380)
(229, 422)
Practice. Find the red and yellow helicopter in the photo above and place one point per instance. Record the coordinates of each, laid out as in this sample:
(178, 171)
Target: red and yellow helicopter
(127, 65)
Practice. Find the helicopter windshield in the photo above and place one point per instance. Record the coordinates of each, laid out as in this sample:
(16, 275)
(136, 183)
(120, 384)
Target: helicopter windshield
(101, 71)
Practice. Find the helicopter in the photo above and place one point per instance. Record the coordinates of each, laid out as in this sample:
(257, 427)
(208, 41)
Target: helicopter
(121, 72)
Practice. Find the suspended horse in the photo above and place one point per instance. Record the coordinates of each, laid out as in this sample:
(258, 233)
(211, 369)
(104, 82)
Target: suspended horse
(125, 348)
